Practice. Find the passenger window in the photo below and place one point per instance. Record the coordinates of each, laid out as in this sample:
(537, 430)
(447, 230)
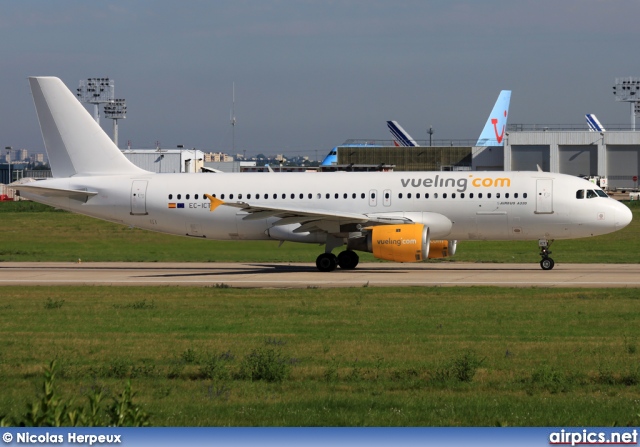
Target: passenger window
(257, 196)
(417, 195)
(426, 195)
(386, 195)
(515, 195)
(524, 196)
(328, 195)
(196, 197)
(344, 196)
(506, 195)
(479, 195)
(580, 194)
(310, 196)
(409, 196)
(213, 195)
(284, 196)
(275, 196)
(373, 195)
(497, 195)
(353, 196)
(444, 196)
(435, 195)
(222, 196)
(362, 196)
(301, 196)
(230, 196)
(336, 195)
(400, 196)
(170, 196)
(471, 195)
(179, 196)
(488, 195)
(462, 195)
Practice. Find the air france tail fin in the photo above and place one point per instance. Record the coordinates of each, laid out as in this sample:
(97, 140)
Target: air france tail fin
(594, 124)
(402, 138)
(493, 132)
(75, 143)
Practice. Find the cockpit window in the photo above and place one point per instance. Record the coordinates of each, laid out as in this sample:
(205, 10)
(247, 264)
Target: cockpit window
(580, 194)
(591, 194)
(601, 193)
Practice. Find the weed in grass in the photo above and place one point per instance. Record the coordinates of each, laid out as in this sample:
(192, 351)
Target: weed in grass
(142, 304)
(266, 364)
(118, 369)
(461, 369)
(213, 368)
(189, 356)
(175, 369)
(220, 285)
(630, 346)
(218, 392)
(274, 342)
(549, 379)
(53, 304)
(53, 410)
(331, 372)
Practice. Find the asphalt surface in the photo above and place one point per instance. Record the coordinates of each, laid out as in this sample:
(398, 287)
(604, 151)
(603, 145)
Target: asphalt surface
(282, 275)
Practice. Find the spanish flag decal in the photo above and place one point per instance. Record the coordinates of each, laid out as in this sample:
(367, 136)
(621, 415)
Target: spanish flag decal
(172, 205)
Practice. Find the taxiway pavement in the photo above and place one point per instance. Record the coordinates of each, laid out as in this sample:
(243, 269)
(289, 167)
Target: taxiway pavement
(283, 275)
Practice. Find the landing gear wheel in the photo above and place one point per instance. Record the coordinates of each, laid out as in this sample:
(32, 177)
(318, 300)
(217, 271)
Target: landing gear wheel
(547, 263)
(326, 262)
(348, 260)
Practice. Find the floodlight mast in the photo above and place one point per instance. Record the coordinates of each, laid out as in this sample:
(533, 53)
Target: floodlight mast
(96, 91)
(628, 90)
(115, 110)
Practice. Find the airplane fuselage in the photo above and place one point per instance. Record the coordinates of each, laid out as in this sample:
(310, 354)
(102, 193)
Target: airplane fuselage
(455, 205)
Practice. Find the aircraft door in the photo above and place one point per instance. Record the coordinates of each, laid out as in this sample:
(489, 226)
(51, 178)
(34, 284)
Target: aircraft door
(386, 197)
(139, 198)
(373, 197)
(544, 196)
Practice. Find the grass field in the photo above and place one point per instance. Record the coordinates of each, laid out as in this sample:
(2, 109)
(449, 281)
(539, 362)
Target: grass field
(351, 357)
(348, 357)
(33, 232)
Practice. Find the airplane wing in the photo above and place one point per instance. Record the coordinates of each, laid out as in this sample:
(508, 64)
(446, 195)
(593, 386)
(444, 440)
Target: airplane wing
(310, 220)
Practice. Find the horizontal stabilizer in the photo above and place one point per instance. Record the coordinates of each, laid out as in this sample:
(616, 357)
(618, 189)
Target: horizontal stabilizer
(74, 194)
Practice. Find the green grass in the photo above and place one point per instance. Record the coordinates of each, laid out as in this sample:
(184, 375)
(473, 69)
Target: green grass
(352, 357)
(33, 232)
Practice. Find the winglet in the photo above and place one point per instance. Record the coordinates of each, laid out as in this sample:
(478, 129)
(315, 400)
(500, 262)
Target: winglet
(494, 129)
(215, 202)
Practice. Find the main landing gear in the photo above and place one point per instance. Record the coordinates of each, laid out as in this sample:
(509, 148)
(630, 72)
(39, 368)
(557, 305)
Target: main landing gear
(347, 260)
(546, 263)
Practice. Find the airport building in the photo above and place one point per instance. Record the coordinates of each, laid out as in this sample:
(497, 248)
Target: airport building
(614, 153)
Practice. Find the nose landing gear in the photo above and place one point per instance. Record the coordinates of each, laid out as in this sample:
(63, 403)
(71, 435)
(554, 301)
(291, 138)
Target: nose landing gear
(546, 263)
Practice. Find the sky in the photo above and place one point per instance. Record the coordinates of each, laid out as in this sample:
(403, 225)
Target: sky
(309, 74)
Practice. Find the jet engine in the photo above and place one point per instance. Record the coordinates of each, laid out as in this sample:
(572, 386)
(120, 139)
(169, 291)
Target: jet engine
(399, 243)
(442, 249)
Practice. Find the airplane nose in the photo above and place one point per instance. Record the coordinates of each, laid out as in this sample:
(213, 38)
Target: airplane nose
(623, 216)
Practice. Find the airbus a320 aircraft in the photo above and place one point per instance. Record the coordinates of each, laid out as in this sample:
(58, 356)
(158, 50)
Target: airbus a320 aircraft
(398, 216)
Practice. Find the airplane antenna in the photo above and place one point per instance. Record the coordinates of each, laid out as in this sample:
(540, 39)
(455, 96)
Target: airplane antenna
(233, 118)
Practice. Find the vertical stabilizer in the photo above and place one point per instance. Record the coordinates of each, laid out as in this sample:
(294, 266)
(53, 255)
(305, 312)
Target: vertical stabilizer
(594, 124)
(75, 143)
(400, 135)
(494, 129)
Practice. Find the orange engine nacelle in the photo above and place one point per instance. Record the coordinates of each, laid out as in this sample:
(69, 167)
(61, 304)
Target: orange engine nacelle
(442, 249)
(400, 243)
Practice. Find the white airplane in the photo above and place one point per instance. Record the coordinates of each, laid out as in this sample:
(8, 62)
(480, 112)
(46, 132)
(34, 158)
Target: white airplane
(398, 216)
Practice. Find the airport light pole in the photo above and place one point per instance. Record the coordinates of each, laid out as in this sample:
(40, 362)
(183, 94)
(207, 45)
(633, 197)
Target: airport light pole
(115, 110)
(9, 149)
(96, 91)
(628, 90)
